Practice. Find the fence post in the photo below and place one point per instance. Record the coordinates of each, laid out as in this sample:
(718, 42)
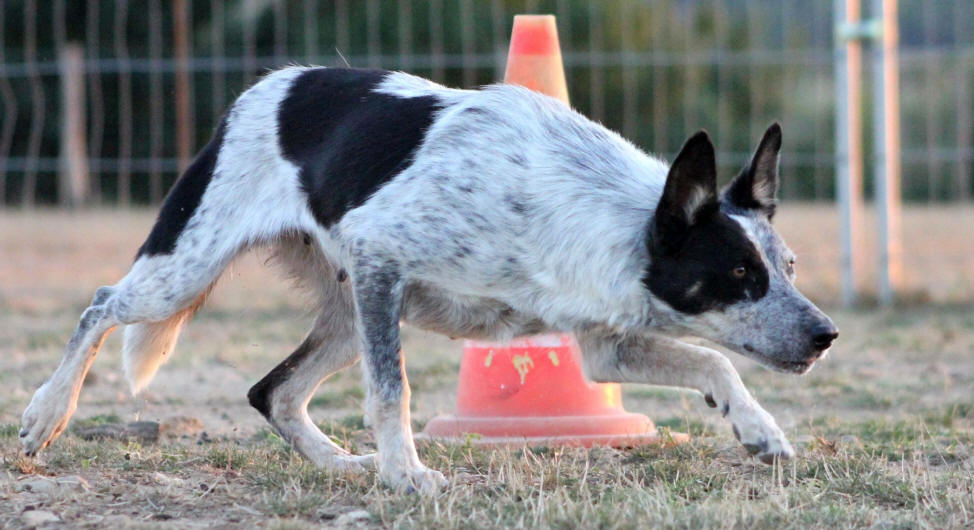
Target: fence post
(184, 132)
(886, 132)
(848, 140)
(73, 186)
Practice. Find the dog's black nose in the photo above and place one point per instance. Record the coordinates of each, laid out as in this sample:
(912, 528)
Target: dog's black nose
(823, 335)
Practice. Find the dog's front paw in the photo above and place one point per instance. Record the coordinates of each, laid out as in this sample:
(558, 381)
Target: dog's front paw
(45, 418)
(760, 435)
(413, 479)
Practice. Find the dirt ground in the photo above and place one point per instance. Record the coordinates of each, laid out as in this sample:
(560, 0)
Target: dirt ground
(909, 366)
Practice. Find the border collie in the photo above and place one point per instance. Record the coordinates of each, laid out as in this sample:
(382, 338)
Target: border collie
(485, 214)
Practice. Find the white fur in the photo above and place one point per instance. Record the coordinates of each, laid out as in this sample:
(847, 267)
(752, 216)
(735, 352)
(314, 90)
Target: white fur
(146, 347)
(698, 197)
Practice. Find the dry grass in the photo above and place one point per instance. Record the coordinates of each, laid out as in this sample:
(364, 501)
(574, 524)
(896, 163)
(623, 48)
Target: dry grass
(884, 427)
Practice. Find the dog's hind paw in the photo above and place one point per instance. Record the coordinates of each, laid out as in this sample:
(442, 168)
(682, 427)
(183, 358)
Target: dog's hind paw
(43, 421)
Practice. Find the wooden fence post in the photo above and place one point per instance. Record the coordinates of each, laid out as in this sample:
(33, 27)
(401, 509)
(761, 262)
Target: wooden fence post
(73, 178)
(184, 121)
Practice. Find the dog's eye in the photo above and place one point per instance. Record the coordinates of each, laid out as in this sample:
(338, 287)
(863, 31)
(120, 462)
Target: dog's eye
(740, 272)
(791, 265)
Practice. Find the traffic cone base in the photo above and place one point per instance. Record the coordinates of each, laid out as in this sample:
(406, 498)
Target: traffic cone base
(613, 430)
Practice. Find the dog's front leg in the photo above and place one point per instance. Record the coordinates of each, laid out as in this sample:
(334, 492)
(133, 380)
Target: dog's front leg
(378, 299)
(661, 360)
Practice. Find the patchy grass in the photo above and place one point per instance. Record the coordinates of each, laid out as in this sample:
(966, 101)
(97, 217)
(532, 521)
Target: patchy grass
(884, 427)
(894, 473)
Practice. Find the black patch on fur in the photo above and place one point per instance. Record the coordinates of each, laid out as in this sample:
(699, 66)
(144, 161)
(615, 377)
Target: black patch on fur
(259, 395)
(183, 199)
(347, 139)
(709, 252)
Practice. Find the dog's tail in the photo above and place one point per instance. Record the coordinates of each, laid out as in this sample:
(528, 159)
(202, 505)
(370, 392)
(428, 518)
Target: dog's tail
(147, 345)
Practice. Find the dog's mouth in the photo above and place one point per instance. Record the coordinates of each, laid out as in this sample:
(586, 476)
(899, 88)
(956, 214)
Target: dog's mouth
(780, 365)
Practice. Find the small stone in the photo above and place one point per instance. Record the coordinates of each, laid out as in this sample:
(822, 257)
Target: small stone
(353, 518)
(141, 431)
(167, 480)
(36, 518)
(181, 426)
(851, 440)
(73, 482)
(36, 484)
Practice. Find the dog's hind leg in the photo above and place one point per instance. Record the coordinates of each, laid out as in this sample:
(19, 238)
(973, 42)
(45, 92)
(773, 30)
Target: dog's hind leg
(54, 402)
(332, 345)
(282, 396)
(156, 290)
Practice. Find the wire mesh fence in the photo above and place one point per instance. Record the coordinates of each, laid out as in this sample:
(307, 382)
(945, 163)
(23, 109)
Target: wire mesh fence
(155, 76)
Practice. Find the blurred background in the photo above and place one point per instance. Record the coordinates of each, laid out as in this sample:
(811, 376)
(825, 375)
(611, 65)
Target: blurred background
(133, 89)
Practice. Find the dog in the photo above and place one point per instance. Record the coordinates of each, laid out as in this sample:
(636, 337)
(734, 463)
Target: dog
(485, 214)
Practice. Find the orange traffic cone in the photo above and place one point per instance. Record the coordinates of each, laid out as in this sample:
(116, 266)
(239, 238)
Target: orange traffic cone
(532, 390)
(534, 58)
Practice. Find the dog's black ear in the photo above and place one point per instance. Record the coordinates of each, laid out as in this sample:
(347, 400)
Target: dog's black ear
(756, 186)
(690, 193)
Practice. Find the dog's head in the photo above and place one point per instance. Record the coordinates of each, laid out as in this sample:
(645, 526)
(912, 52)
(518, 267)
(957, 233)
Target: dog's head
(722, 268)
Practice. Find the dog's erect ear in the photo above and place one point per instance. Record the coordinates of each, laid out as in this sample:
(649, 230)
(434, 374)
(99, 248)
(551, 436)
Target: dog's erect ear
(756, 186)
(690, 193)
